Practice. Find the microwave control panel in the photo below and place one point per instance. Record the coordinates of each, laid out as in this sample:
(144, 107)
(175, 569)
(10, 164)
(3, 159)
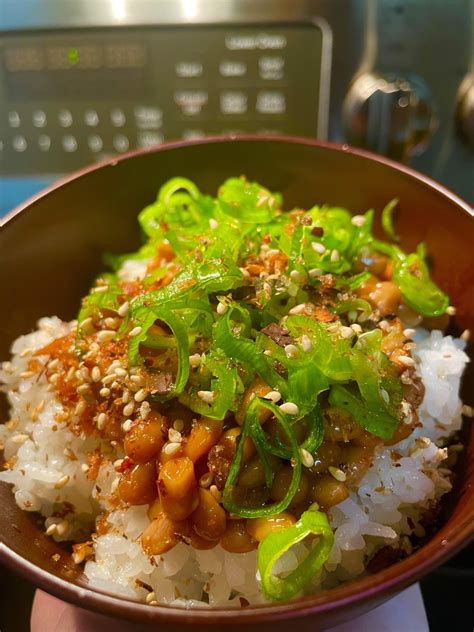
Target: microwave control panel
(72, 98)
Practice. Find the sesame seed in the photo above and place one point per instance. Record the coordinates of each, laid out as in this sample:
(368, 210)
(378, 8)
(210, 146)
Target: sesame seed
(141, 395)
(337, 473)
(126, 426)
(126, 396)
(111, 323)
(86, 324)
(334, 256)
(306, 458)
(333, 328)
(63, 527)
(268, 352)
(120, 372)
(61, 482)
(96, 374)
(53, 364)
(358, 220)
(19, 439)
(27, 351)
(406, 360)
(26, 374)
(385, 395)
(117, 463)
(151, 595)
(106, 335)
(346, 332)
(289, 408)
(356, 328)
(174, 436)
(409, 332)
(467, 411)
(306, 343)
(128, 409)
(319, 248)
(215, 492)
(291, 351)
(206, 396)
(295, 276)
(83, 389)
(315, 272)
(114, 385)
(100, 289)
(451, 310)
(213, 223)
(108, 379)
(171, 448)
(85, 468)
(273, 396)
(70, 374)
(145, 410)
(138, 380)
(101, 419)
(221, 308)
(51, 530)
(466, 335)
(78, 556)
(298, 309)
(206, 479)
(123, 309)
(80, 407)
(384, 325)
(195, 359)
(178, 425)
(136, 331)
(40, 406)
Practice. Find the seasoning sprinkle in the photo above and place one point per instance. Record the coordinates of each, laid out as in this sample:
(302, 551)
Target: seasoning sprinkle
(289, 408)
(171, 448)
(291, 351)
(319, 248)
(123, 309)
(128, 409)
(406, 360)
(358, 220)
(206, 396)
(337, 473)
(106, 335)
(306, 458)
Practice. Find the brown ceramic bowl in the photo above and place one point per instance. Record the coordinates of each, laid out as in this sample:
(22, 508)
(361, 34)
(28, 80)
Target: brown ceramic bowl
(50, 249)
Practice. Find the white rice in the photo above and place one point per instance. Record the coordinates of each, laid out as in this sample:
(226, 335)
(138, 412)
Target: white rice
(388, 506)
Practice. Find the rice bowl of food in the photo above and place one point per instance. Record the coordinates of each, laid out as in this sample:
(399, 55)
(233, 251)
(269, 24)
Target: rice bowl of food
(258, 408)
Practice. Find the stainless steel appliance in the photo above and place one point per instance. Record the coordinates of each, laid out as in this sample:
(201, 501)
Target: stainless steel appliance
(84, 79)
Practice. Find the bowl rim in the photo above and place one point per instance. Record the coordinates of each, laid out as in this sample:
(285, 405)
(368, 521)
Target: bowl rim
(379, 586)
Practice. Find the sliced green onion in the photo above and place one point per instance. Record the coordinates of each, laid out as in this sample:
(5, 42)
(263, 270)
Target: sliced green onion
(387, 220)
(276, 543)
(252, 428)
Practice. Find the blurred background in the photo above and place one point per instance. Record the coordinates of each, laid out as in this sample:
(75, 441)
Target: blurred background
(83, 80)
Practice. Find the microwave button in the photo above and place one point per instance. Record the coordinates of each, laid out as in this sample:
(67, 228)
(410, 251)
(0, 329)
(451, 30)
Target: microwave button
(44, 142)
(120, 143)
(69, 143)
(233, 102)
(191, 102)
(14, 119)
(95, 143)
(148, 117)
(19, 143)
(232, 68)
(117, 117)
(271, 102)
(65, 118)
(39, 118)
(188, 69)
(91, 118)
(148, 139)
(271, 67)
